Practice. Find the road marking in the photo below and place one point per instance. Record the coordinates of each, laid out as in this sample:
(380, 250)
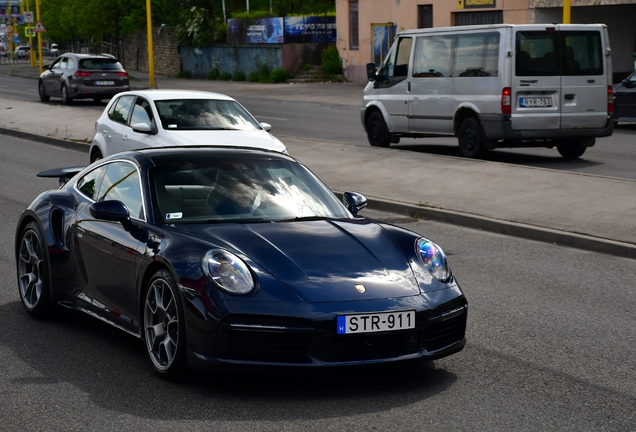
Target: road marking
(272, 118)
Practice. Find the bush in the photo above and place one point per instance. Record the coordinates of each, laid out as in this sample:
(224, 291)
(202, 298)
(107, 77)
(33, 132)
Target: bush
(225, 76)
(279, 75)
(254, 76)
(214, 74)
(331, 62)
(185, 74)
(238, 76)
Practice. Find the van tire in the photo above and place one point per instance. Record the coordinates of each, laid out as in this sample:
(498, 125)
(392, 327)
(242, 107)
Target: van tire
(571, 150)
(472, 143)
(377, 131)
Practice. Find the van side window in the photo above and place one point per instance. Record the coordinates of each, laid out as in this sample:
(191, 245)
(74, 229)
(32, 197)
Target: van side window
(476, 55)
(433, 56)
(396, 65)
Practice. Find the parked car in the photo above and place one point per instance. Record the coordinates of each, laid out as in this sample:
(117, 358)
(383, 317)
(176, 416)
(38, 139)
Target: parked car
(237, 256)
(158, 118)
(21, 52)
(83, 76)
(625, 100)
(54, 50)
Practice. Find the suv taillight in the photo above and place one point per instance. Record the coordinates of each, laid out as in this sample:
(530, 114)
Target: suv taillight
(610, 99)
(506, 96)
(122, 74)
(82, 74)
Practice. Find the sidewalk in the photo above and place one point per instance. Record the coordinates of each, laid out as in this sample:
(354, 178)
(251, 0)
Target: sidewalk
(584, 211)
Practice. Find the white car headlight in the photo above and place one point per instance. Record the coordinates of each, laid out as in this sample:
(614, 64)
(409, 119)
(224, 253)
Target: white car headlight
(433, 259)
(228, 272)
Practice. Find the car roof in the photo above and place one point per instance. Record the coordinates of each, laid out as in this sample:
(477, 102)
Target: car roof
(165, 155)
(169, 94)
(83, 56)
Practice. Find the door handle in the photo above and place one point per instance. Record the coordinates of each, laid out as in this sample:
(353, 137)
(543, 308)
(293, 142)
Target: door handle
(125, 137)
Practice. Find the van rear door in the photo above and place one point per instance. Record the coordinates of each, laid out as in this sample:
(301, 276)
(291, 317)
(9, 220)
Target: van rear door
(584, 79)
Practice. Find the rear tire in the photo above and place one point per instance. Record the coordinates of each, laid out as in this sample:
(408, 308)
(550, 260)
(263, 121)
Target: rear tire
(33, 272)
(66, 100)
(571, 150)
(97, 155)
(472, 143)
(377, 131)
(42, 92)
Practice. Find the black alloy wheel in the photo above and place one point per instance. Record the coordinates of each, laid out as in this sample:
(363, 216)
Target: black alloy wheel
(472, 143)
(33, 272)
(377, 131)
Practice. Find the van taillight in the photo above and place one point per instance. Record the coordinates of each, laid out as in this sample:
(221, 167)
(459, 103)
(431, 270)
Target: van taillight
(505, 100)
(610, 99)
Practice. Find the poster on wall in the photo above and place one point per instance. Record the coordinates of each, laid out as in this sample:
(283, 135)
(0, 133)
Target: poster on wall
(300, 29)
(257, 30)
(383, 35)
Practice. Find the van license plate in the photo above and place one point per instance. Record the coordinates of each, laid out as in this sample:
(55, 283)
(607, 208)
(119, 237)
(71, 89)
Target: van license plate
(104, 82)
(535, 102)
(375, 322)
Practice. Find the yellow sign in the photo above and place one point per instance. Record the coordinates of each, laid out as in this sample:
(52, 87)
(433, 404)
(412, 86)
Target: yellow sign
(460, 4)
(475, 4)
(28, 31)
(9, 28)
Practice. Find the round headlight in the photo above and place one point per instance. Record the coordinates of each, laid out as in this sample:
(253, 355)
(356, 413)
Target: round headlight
(228, 272)
(433, 259)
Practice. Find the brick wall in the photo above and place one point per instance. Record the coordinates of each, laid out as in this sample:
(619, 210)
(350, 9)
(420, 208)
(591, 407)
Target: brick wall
(165, 51)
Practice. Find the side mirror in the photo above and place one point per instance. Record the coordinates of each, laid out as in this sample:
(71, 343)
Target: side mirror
(142, 128)
(371, 71)
(354, 201)
(266, 126)
(112, 210)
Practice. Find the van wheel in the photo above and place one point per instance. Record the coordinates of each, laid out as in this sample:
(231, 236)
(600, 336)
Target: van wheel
(472, 143)
(571, 151)
(377, 132)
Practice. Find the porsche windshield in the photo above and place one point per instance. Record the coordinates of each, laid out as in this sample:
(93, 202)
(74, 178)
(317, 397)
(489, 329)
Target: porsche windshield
(204, 114)
(231, 190)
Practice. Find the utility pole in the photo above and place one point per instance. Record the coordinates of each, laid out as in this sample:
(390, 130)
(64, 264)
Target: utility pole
(566, 11)
(151, 61)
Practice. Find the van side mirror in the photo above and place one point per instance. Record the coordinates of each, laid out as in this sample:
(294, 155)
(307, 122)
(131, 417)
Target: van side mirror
(371, 71)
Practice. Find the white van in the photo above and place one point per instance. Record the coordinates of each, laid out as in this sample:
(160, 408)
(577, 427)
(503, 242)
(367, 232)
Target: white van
(494, 86)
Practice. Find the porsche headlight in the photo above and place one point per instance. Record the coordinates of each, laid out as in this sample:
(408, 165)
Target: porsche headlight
(433, 259)
(228, 272)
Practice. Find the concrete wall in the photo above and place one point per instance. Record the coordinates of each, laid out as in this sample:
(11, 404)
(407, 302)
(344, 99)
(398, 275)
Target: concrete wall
(165, 46)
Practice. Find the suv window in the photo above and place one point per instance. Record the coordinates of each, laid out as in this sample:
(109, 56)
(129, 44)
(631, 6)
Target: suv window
(100, 64)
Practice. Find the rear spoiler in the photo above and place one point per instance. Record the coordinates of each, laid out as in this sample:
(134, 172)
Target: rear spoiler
(63, 174)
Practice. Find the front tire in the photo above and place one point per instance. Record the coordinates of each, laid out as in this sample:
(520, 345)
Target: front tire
(164, 329)
(472, 143)
(66, 100)
(33, 272)
(42, 92)
(97, 155)
(377, 131)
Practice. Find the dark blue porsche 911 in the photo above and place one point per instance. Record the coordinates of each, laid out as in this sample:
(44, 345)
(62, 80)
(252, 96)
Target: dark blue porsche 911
(235, 256)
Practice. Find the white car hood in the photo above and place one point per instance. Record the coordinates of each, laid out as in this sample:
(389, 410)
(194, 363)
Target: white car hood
(257, 138)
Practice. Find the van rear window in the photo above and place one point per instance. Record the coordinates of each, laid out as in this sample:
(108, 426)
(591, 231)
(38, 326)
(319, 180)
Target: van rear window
(543, 53)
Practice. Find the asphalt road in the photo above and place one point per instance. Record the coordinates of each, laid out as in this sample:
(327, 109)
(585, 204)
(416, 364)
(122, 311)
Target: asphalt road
(613, 156)
(550, 347)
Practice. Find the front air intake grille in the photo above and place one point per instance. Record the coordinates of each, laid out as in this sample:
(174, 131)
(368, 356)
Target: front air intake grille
(268, 346)
(370, 347)
(445, 328)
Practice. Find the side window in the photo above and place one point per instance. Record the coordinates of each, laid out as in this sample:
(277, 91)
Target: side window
(57, 64)
(122, 109)
(63, 63)
(121, 183)
(433, 56)
(476, 55)
(142, 113)
(89, 184)
(70, 64)
(396, 65)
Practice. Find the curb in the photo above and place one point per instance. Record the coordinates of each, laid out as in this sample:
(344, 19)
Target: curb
(498, 226)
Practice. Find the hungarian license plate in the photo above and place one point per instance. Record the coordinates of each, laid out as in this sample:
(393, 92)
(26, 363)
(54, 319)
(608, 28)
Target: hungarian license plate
(535, 102)
(104, 82)
(375, 322)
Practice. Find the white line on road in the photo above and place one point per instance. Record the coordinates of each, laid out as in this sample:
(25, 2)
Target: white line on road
(272, 118)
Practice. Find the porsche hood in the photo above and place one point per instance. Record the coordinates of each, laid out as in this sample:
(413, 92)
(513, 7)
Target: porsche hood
(325, 261)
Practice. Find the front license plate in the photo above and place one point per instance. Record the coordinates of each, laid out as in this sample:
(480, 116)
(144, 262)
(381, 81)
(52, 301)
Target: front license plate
(375, 322)
(535, 102)
(104, 82)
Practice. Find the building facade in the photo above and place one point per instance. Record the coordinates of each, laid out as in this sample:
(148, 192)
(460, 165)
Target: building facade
(366, 28)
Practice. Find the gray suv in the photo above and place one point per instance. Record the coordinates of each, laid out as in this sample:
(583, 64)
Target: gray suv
(83, 76)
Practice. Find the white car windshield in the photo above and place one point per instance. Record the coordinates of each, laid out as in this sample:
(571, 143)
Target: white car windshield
(204, 114)
(231, 190)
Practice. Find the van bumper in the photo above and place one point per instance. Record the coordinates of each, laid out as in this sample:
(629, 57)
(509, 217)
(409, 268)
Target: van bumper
(498, 127)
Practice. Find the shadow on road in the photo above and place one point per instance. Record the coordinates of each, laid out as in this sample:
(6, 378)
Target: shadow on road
(112, 369)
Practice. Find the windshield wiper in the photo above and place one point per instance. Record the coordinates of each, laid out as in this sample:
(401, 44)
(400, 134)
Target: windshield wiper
(304, 218)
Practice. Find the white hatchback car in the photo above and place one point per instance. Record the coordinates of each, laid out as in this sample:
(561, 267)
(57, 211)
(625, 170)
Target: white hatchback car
(165, 118)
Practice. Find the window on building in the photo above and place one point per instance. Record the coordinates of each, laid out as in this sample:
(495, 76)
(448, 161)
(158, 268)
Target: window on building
(476, 18)
(353, 25)
(424, 16)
